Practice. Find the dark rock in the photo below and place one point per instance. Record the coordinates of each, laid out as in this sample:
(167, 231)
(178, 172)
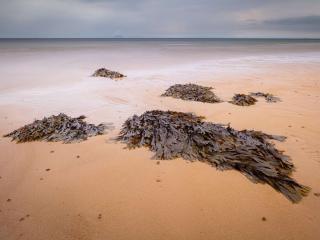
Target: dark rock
(102, 72)
(268, 97)
(192, 92)
(175, 134)
(243, 100)
(57, 128)
(264, 219)
(317, 194)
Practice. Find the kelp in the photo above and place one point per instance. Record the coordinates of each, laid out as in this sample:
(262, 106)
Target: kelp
(192, 92)
(243, 100)
(57, 128)
(103, 72)
(267, 96)
(175, 134)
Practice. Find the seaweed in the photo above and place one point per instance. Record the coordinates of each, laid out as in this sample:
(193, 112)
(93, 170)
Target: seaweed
(270, 98)
(243, 100)
(175, 134)
(192, 92)
(103, 72)
(57, 128)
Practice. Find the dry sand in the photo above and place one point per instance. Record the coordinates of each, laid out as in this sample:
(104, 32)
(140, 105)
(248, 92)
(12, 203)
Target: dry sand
(112, 193)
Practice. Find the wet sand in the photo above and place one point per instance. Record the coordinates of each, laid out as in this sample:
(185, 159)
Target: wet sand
(99, 190)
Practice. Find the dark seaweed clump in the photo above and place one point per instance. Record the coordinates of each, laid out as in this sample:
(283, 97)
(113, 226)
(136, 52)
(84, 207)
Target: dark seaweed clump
(103, 72)
(243, 100)
(57, 128)
(267, 96)
(175, 134)
(192, 92)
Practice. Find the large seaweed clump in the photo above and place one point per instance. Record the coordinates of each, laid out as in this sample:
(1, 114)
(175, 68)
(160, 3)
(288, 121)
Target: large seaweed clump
(243, 100)
(192, 92)
(175, 134)
(57, 128)
(270, 98)
(103, 72)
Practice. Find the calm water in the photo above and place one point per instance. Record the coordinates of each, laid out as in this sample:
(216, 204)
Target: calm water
(21, 60)
(166, 47)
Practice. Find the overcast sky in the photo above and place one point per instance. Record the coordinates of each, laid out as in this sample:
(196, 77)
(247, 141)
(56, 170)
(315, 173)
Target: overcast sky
(160, 18)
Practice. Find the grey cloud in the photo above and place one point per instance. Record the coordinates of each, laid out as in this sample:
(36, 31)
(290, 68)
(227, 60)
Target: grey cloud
(158, 18)
(311, 23)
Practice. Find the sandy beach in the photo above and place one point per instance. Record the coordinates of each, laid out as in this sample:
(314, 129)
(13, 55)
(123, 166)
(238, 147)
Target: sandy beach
(97, 189)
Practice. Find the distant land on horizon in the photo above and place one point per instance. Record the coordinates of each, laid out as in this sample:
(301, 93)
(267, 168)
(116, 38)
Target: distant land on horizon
(160, 38)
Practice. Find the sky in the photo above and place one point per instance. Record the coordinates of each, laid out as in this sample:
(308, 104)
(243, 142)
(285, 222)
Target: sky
(159, 18)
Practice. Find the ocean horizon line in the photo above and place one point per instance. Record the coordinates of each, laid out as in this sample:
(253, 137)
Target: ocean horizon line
(155, 38)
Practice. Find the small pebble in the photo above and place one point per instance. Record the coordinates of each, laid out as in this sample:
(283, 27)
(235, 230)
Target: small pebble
(264, 219)
(78, 156)
(100, 216)
(41, 179)
(158, 162)
(317, 194)
(158, 180)
(48, 169)
(21, 219)
(52, 151)
(289, 126)
(9, 200)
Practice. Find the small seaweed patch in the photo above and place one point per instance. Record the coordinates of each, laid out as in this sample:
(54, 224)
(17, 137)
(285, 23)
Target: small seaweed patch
(243, 100)
(103, 72)
(57, 128)
(270, 98)
(175, 134)
(192, 92)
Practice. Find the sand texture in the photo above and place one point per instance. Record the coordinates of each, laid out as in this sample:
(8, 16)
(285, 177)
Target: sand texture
(97, 189)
